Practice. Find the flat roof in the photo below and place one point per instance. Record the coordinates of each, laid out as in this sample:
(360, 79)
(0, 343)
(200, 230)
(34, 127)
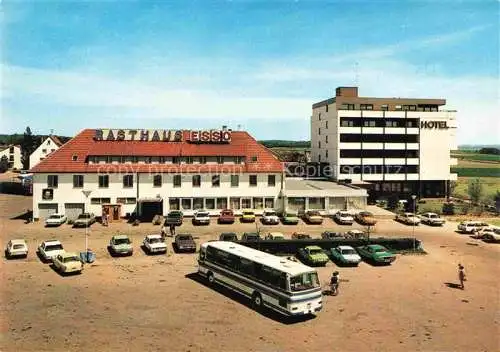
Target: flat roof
(320, 188)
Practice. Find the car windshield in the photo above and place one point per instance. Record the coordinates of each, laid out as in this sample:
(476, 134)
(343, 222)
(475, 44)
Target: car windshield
(315, 251)
(71, 259)
(185, 238)
(251, 236)
(18, 246)
(122, 241)
(269, 213)
(304, 282)
(84, 216)
(55, 217)
(380, 250)
(313, 213)
(348, 251)
(202, 214)
(290, 215)
(248, 213)
(344, 214)
(155, 240)
(228, 235)
(174, 213)
(366, 214)
(53, 247)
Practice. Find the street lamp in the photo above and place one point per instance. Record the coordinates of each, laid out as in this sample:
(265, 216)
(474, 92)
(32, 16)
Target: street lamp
(414, 197)
(86, 194)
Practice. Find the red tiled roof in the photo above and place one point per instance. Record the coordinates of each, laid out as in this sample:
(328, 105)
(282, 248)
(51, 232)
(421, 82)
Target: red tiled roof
(83, 145)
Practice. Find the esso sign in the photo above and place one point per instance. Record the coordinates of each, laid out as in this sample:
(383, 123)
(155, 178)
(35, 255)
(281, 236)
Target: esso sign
(210, 136)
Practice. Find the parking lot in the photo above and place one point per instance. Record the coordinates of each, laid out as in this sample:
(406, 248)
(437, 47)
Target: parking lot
(158, 303)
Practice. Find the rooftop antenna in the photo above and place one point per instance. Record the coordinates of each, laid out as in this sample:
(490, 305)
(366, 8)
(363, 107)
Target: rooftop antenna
(51, 131)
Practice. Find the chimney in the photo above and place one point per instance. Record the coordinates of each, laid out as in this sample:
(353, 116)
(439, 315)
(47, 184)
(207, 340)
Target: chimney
(349, 92)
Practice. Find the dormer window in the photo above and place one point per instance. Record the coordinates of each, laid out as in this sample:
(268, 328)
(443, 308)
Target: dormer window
(74, 158)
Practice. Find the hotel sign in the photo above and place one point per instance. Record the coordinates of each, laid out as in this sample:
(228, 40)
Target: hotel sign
(203, 136)
(437, 125)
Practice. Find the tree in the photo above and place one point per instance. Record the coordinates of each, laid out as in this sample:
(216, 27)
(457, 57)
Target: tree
(4, 164)
(28, 146)
(475, 190)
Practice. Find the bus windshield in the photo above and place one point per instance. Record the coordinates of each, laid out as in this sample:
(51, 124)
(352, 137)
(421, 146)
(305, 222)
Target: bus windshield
(305, 281)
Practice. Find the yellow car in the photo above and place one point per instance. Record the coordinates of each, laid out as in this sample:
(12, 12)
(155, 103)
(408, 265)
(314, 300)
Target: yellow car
(247, 216)
(67, 262)
(313, 217)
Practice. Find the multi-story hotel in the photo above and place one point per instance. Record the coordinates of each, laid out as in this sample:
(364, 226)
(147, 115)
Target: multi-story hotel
(149, 172)
(399, 145)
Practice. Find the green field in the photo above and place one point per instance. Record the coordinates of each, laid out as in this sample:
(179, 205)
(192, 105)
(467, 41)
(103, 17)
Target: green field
(476, 172)
(490, 186)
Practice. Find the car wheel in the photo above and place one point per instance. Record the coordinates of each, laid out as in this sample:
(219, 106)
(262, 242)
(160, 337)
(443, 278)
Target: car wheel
(257, 300)
(7, 255)
(211, 278)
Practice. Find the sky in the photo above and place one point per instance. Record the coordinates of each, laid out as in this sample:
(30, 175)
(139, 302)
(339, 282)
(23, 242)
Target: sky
(252, 65)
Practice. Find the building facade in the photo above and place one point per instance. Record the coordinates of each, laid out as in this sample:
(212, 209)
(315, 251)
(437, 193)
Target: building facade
(400, 146)
(49, 145)
(13, 154)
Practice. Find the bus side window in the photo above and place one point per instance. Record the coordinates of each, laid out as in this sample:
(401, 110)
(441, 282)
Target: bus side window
(202, 254)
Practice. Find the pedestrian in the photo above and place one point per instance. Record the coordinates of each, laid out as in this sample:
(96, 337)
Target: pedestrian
(461, 276)
(172, 230)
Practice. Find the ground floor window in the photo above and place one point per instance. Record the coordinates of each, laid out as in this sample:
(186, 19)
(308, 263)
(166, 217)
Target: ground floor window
(186, 203)
(210, 203)
(197, 203)
(296, 203)
(126, 200)
(269, 203)
(316, 203)
(174, 203)
(356, 202)
(246, 203)
(221, 203)
(100, 200)
(234, 203)
(258, 203)
(336, 203)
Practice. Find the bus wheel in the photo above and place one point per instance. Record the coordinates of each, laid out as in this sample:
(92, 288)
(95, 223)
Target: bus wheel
(211, 278)
(257, 300)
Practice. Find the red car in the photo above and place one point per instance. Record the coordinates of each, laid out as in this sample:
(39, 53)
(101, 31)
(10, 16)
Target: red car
(226, 217)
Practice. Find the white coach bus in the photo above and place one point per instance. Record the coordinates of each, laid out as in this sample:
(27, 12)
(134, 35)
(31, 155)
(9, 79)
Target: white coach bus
(288, 287)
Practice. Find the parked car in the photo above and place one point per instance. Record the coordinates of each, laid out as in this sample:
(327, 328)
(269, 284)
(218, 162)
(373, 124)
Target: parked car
(84, 220)
(269, 217)
(365, 218)
(154, 244)
(431, 219)
(343, 218)
(313, 255)
(55, 220)
(345, 255)
(408, 219)
(16, 248)
(471, 226)
(47, 250)
(376, 253)
(120, 245)
(300, 236)
(328, 235)
(485, 232)
(290, 218)
(313, 217)
(68, 262)
(201, 217)
(355, 233)
(250, 236)
(174, 217)
(226, 217)
(228, 236)
(184, 243)
(247, 215)
(275, 236)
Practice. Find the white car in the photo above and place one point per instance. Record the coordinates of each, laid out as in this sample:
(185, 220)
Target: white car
(16, 248)
(201, 217)
(344, 218)
(471, 226)
(345, 255)
(269, 217)
(67, 262)
(355, 233)
(49, 249)
(408, 219)
(154, 244)
(432, 219)
(55, 220)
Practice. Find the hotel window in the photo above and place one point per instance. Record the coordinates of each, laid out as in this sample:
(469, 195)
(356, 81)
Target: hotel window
(269, 203)
(366, 107)
(221, 203)
(235, 180)
(186, 203)
(326, 108)
(203, 159)
(157, 181)
(197, 203)
(163, 159)
(369, 123)
(196, 180)
(210, 203)
(148, 160)
(326, 124)
(347, 107)
(384, 107)
(177, 180)
(319, 131)
(319, 116)
(11, 150)
(52, 181)
(11, 157)
(397, 108)
(77, 181)
(326, 154)
(319, 144)
(347, 123)
(220, 160)
(189, 160)
(316, 203)
(176, 160)
(128, 181)
(410, 107)
(258, 203)
(43, 151)
(254, 159)
(271, 180)
(326, 139)
(238, 159)
(126, 200)
(252, 180)
(234, 203)
(103, 181)
(174, 203)
(100, 200)
(215, 180)
(74, 158)
(246, 203)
